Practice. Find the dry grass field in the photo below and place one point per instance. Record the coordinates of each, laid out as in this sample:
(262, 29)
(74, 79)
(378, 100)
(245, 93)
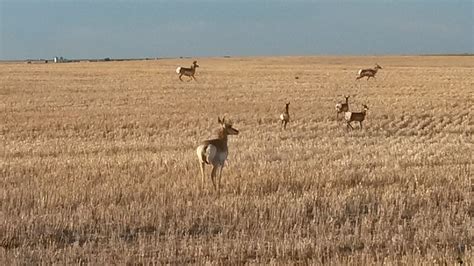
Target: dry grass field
(99, 166)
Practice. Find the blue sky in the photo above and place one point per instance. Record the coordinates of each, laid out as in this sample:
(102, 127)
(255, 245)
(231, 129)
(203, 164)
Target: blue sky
(131, 29)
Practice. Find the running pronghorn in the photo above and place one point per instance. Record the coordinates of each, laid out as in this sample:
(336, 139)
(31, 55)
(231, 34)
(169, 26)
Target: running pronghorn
(353, 116)
(369, 72)
(285, 116)
(342, 107)
(187, 71)
(215, 152)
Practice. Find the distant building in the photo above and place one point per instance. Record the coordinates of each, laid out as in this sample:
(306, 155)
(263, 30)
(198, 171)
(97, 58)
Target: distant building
(59, 59)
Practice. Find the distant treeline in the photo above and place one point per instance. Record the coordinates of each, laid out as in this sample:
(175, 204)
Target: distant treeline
(107, 59)
(464, 54)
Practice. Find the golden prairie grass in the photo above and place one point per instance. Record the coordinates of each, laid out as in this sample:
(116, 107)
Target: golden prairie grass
(99, 165)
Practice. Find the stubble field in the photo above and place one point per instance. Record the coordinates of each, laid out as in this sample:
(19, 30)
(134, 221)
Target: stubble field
(99, 165)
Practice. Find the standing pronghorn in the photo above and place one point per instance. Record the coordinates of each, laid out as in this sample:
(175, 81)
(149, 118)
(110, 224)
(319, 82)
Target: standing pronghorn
(342, 107)
(369, 72)
(353, 116)
(285, 116)
(187, 71)
(215, 151)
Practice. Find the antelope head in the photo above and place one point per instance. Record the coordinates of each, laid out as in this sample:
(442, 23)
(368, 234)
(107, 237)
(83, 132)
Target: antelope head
(227, 127)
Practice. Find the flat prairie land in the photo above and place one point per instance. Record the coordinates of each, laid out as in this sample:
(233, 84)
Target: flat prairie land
(99, 165)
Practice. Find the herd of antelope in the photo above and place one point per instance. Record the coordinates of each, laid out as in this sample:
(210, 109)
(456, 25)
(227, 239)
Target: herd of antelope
(214, 151)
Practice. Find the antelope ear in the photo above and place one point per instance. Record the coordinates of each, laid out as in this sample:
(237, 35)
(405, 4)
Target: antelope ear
(219, 120)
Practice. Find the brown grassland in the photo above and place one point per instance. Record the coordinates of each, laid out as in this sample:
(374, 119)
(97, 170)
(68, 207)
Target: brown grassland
(98, 162)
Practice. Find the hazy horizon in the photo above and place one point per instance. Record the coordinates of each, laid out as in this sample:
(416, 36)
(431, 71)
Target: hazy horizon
(98, 29)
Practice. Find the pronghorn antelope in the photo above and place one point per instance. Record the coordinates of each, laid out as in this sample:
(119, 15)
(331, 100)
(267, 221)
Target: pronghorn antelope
(285, 116)
(187, 71)
(342, 107)
(358, 117)
(369, 72)
(215, 152)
